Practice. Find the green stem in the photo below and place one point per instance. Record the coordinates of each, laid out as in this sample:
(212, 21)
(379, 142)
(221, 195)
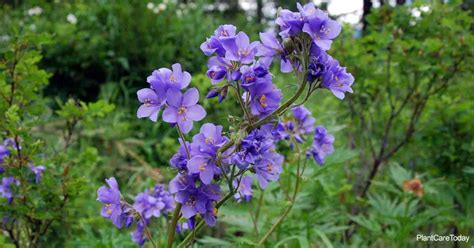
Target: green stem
(177, 210)
(288, 209)
(172, 225)
(183, 139)
(260, 202)
(242, 105)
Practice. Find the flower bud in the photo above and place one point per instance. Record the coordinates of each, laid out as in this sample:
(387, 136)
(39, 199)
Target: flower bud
(212, 93)
(289, 45)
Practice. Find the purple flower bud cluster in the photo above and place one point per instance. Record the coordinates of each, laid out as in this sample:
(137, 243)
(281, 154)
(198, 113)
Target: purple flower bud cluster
(148, 204)
(322, 145)
(241, 63)
(164, 91)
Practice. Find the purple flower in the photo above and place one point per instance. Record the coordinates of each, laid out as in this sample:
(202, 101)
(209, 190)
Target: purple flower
(225, 31)
(152, 104)
(208, 140)
(271, 47)
(38, 171)
(205, 166)
(148, 205)
(10, 143)
(254, 75)
(337, 80)
(290, 23)
(265, 98)
(322, 29)
(183, 109)
(188, 225)
(322, 145)
(164, 79)
(4, 152)
(309, 11)
(138, 236)
(213, 44)
(5, 187)
(194, 202)
(211, 191)
(300, 125)
(253, 146)
(181, 182)
(245, 189)
(240, 49)
(319, 63)
(180, 159)
(304, 123)
(153, 203)
(218, 65)
(113, 209)
(216, 73)
(268, 168)
(210, 215)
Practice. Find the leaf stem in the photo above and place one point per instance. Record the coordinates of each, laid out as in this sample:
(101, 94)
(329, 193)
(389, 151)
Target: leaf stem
(292, 202)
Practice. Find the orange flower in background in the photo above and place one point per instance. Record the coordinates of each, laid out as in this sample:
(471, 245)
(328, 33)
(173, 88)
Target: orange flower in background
(414, 186)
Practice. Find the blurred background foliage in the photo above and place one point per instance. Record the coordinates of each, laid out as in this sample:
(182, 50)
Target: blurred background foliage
(404, 140)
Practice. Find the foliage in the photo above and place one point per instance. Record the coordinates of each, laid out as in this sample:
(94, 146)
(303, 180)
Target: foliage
(46, 172)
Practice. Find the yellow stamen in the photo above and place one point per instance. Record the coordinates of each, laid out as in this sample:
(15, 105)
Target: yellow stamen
(182, 110)
(108, 206)
(173, 78)
(263, 101)
(209, 140)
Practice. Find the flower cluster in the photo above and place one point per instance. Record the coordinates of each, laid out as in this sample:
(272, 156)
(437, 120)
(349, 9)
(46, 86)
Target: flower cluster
(313, 24)
(115, 209)
(5, 189)
(164, 91)
(6, 149)
(198, 166)
(257, 150)
(148, 204)
(301, 124)
(236, 63)
(322, 145)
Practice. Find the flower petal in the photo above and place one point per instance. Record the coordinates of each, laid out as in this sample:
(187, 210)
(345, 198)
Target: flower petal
(196, 112)
(174, 98)
(170, 115)
(191, 97)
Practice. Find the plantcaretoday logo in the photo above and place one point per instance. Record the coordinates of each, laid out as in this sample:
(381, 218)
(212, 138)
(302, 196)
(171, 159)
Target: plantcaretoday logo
(442, 238)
